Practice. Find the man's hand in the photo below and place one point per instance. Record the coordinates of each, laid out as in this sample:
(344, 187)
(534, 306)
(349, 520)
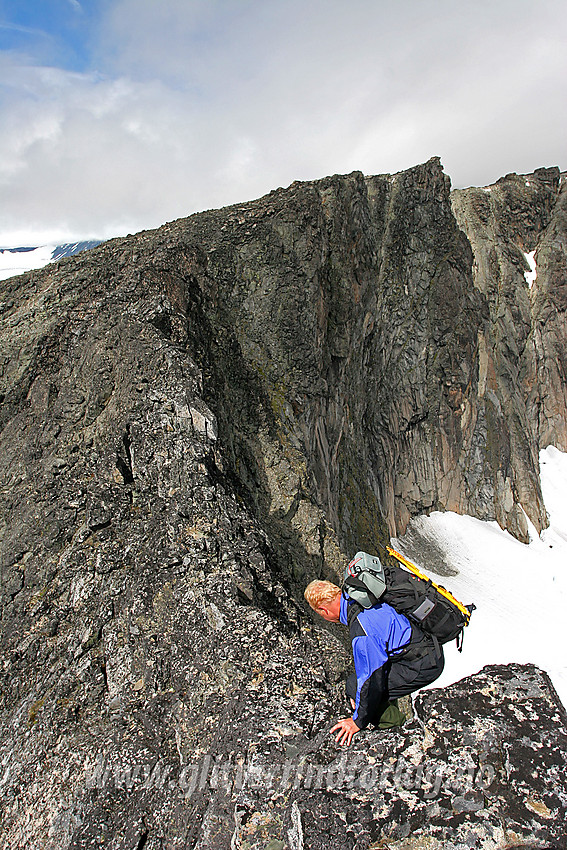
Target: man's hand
(347, 729)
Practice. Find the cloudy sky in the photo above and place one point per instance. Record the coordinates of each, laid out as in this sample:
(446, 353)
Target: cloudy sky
(118, 115)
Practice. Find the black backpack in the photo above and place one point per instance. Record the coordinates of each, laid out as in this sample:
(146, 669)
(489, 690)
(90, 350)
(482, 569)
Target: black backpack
(428, 605)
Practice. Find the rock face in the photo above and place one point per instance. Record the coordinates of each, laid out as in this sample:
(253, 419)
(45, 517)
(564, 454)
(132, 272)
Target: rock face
(523, 349)
(195, 420)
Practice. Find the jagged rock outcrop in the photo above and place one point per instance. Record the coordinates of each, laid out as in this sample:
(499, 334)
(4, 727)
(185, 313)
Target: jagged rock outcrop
(195, 419)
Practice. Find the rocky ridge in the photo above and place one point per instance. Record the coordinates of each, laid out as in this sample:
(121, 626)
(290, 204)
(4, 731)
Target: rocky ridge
(196, 419)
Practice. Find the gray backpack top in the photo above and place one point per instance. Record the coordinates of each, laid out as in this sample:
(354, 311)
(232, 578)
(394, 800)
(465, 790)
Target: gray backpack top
(364, 580)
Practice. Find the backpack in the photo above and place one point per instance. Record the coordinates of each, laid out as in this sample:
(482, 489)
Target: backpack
(428, 605)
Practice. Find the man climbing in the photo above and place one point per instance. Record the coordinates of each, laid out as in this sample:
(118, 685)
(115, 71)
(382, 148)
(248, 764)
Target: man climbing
(392, 658)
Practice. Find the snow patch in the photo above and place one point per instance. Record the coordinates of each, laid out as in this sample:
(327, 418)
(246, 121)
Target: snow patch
(15, 261)
(18, 260)
(532, 274)
(520, 590)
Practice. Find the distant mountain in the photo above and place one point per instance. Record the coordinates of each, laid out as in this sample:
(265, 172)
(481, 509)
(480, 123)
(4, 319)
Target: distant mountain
(71, 248)
(15, 261)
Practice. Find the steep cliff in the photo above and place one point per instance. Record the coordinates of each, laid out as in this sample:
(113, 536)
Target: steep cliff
(196, 419)
(522, 350)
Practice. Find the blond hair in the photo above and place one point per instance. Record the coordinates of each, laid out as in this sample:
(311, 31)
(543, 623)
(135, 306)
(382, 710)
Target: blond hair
(318, 592)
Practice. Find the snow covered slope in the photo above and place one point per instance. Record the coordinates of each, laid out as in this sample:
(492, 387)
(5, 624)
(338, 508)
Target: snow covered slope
(520, 591)
(17, 260)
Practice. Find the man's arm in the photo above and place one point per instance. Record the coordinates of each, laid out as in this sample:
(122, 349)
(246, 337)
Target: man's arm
(371, 689)
(370, 663)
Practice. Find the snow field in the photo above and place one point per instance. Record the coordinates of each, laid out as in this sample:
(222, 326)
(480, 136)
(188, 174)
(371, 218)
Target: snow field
(17, 262)
(520, 590)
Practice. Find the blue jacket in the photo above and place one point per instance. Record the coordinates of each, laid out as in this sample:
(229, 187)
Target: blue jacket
(376, 633)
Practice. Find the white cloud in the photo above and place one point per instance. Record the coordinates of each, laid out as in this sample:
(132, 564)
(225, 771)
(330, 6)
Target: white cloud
(206, 103)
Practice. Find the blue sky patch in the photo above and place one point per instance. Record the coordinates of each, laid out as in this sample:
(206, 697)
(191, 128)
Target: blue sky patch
(50, 32)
